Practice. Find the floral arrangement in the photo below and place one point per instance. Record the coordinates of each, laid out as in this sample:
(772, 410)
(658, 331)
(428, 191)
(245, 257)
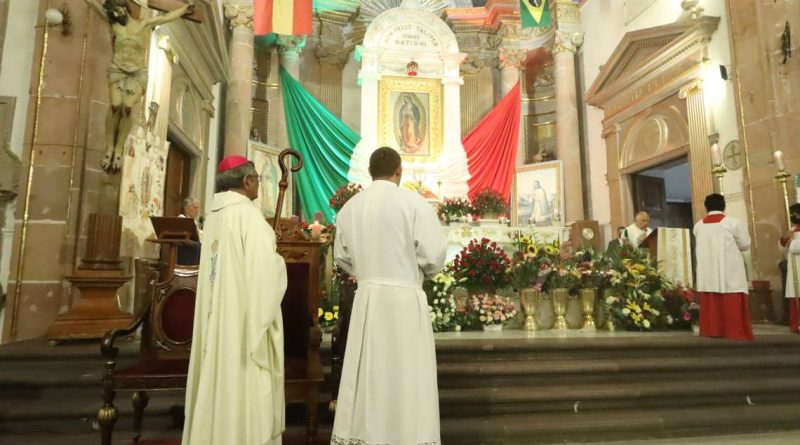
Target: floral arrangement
(589, 267)
(682, 306)
(328, 316)
(481, 264)
(341, 276)
(635, 309)
(343, 194)
(441, 304)
(452, 209)
(491, 309)
(489, 201)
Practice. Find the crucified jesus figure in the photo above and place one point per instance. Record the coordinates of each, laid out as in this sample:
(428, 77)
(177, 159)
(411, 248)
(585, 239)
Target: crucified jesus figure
(127, 74)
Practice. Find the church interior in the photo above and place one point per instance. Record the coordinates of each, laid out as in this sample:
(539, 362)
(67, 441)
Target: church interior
(544, 127)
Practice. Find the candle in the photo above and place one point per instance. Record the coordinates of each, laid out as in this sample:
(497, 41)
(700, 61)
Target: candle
(316, 230)
(778, 155)
(716, 156)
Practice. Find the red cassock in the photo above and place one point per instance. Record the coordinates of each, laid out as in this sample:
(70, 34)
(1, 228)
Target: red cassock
(722, 278)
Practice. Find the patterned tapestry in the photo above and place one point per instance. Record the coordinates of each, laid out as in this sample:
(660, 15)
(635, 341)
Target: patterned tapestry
(141, 191)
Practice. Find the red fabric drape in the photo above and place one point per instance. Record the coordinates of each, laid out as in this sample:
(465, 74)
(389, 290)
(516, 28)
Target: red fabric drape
(492, 147)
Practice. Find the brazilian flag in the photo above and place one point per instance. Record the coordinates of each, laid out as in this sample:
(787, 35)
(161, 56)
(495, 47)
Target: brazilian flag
(534, 13)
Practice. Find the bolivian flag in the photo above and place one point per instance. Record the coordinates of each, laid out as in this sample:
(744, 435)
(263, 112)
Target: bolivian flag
(534, 13)
(287, 17)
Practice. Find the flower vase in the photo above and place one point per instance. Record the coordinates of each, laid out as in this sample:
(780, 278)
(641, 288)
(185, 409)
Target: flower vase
(696, 328)
(560, 299)
(587, 297)
(492, 327)
(529, 299)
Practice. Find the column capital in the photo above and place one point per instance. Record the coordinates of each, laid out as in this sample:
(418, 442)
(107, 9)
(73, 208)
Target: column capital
(333, 55)
(511, 57)
(290, 45)
(473, 63)
(690, 89)
(239, 15)
(567, 42)
(568, 14)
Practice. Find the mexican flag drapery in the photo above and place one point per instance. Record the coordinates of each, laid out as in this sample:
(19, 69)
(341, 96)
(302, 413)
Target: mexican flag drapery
(325, 142)
(287, 17)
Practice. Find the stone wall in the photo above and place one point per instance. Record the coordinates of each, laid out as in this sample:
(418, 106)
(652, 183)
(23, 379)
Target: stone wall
(768, 106)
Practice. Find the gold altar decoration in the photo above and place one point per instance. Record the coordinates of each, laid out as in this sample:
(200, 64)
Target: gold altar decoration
(420, 101)
(782, 177)
(529, 299)
(560, 299)
(587, 297)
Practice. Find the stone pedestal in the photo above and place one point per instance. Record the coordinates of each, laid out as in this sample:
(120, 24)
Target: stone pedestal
(97, 279)
(238, 114)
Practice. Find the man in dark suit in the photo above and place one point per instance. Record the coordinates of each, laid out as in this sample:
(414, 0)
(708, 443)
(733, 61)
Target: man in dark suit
(614, 244)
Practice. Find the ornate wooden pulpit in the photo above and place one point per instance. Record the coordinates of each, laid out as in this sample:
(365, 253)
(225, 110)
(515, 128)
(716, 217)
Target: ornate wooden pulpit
(302, 335)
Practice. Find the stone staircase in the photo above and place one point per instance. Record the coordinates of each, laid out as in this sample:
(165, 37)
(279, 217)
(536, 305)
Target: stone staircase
(492, 390)
(522, 391)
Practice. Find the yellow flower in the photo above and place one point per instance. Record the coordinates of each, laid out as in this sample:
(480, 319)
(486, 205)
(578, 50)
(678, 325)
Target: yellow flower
(319, 312)
(336, 308)
(550, 250)
(525, 240)
(532, 249)
(328, 316)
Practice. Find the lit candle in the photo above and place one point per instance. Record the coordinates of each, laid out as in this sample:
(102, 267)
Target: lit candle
(316, 230)
(716, 156)
(778, 155)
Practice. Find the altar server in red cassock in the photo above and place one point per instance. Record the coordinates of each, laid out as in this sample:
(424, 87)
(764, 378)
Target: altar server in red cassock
(792, 241)
(721, 275)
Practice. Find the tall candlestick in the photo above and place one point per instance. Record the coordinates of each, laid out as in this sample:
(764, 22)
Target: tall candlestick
(778, 155)
(716, 156)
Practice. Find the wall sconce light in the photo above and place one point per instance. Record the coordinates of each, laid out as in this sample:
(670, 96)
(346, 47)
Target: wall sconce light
(59, 17)
(786, 43)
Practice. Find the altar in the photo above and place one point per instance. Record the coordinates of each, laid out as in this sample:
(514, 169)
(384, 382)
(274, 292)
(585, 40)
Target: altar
(459, 235)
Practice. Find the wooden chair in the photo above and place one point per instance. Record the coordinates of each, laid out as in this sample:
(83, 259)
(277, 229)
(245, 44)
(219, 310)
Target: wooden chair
(166, 316)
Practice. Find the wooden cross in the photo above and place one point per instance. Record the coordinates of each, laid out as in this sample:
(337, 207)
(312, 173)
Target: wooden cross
(732, 155)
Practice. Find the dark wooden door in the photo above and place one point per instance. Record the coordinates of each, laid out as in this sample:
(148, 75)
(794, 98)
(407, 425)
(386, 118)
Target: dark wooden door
(650, 195)
(176, 185)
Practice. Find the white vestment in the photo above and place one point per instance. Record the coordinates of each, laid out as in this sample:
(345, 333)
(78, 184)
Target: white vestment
(234, 392)
(718, 249)
(632, 234)
(793, 266)
(390, 239)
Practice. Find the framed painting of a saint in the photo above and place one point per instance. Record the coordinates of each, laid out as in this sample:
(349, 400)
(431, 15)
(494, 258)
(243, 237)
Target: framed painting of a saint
(265, 159)
(409, 114)
(538, 195)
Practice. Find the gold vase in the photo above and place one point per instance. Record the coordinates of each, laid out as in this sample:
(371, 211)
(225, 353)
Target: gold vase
(587, 297)
(609, 321)
(529, 299)
(560, 299)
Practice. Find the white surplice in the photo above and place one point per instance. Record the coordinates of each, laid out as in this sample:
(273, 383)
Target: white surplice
(234, 392)
(389, 239)
(633, 233)
(718, 249)
(793, 266)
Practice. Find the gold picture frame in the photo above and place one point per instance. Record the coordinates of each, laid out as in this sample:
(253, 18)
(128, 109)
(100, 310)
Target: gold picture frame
(545, 211)
(410, 110)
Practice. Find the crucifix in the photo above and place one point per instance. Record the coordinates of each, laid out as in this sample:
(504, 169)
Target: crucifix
(127, 73)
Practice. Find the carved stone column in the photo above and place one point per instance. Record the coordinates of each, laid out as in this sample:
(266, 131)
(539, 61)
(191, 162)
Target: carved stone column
(238, 117)
(289, 50)
(699, 149)
(470, 93)
(567, 128)
(331, 63)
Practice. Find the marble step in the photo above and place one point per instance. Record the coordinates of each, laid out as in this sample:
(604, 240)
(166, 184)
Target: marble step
(553, 428)
(622, 395)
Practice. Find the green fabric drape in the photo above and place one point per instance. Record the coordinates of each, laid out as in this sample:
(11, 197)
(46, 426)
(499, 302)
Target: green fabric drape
(325, 142)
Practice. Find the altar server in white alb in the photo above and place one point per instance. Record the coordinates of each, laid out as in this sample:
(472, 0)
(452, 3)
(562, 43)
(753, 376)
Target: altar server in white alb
(234, 392)
(635, 233)
(721, 274)
(792, 241)
(390, 239)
